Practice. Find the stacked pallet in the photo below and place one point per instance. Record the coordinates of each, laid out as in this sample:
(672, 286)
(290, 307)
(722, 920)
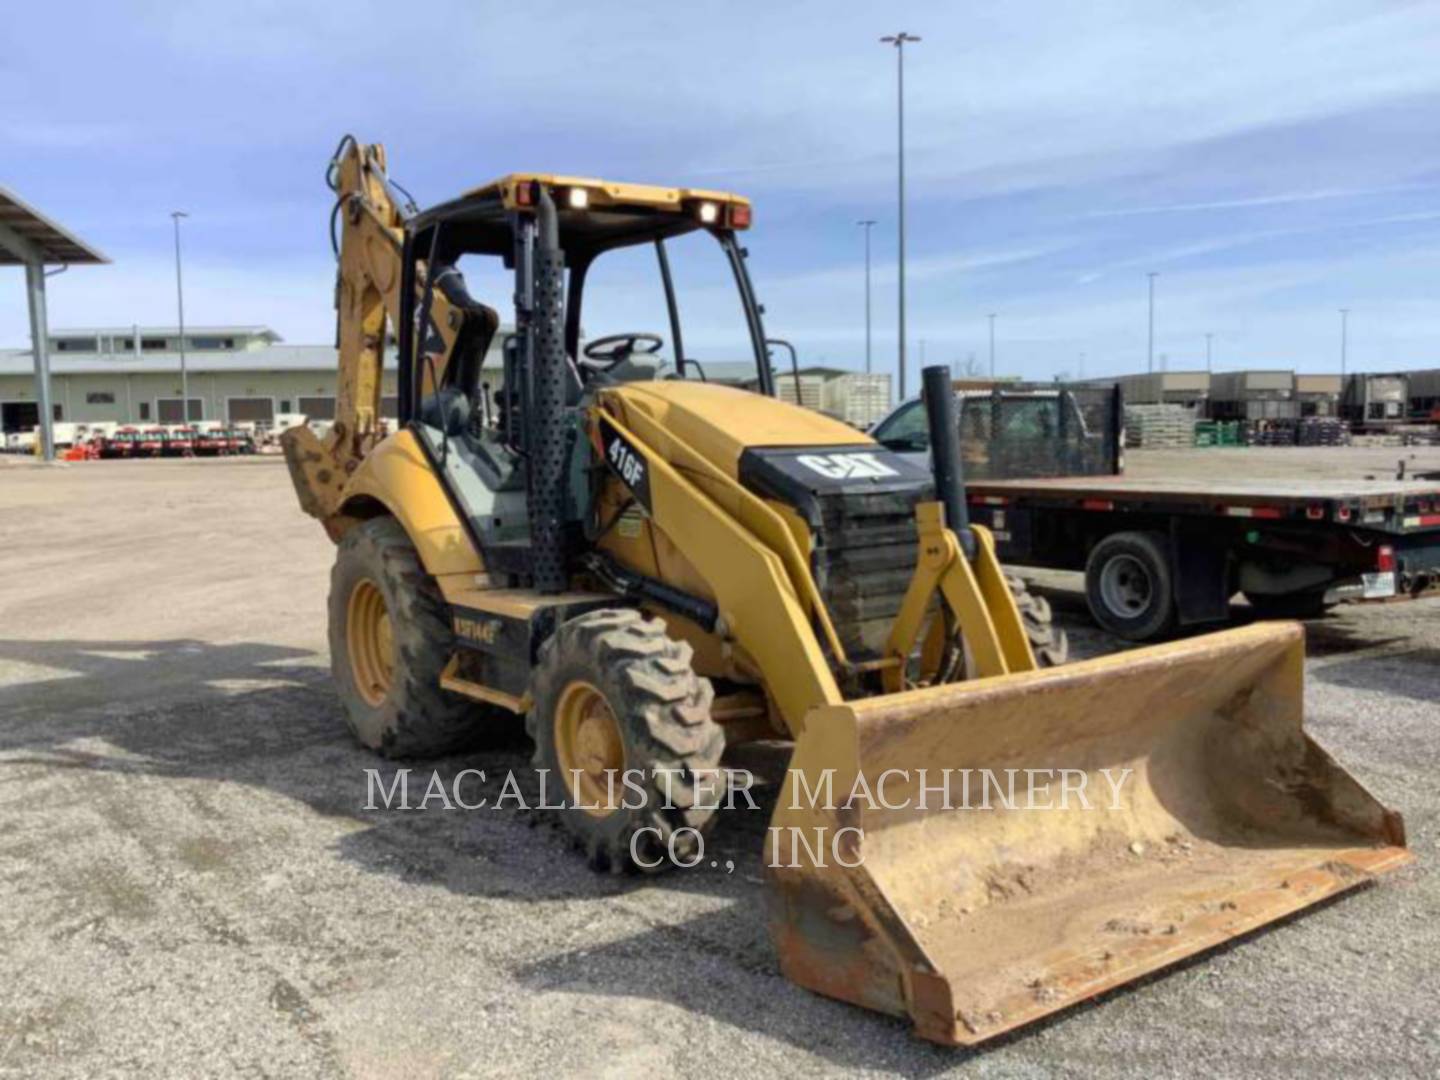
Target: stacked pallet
(1373, 442)
(1217, 433)
(1322, 431)
(1269, 433)
(1153, 427)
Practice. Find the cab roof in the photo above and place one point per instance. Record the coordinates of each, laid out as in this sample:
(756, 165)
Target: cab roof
(609, 214)
(607, 192)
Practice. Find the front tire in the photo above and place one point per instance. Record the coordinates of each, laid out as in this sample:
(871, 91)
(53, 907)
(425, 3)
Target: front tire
(1047, 641)
(1129, 586)
(390, 639)
(616, 699)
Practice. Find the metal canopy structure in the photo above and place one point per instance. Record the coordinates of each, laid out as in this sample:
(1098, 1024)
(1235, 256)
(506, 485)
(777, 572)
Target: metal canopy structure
(30, 239)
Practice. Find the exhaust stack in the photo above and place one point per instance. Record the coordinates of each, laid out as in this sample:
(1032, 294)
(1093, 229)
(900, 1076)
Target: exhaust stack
(945, 453)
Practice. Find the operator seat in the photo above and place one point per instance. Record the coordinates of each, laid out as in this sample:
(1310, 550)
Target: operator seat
(477, 330)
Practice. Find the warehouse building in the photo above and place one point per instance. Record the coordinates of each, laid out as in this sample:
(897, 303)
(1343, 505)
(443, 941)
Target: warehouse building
(1189, 388)
(132, 375)
(248, 374)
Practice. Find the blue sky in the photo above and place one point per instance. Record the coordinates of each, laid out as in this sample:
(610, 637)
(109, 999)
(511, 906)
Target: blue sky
(1273, 162)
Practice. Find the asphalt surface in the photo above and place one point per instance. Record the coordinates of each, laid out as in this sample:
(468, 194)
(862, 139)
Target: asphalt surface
(190, 884)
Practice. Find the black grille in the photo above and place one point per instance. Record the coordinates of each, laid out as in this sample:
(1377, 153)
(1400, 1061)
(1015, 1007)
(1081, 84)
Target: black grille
(864, 557)
(859, 503)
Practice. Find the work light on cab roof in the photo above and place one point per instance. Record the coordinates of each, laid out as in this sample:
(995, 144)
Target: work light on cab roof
(711, 208)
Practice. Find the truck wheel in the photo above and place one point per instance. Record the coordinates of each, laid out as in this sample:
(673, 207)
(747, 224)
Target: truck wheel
(1047, 641)
(1301, 605)
(1129, 587)
(390, 638)
(622, 731)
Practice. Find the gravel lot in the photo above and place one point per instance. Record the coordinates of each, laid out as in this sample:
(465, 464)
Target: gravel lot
(190, 886)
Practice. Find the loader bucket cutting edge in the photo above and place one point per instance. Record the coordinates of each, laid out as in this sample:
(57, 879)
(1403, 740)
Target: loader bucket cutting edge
(972, 921)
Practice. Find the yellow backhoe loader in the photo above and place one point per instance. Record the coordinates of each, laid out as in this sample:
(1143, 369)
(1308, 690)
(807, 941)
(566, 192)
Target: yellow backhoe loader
(650, 566)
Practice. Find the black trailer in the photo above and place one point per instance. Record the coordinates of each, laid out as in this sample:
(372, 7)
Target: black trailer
(1162, 554)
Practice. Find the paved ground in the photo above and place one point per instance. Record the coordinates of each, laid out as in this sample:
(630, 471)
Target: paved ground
(190, 886)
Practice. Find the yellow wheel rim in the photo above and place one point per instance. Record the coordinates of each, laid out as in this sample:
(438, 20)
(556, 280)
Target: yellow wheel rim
(590, 749)
(370, 642)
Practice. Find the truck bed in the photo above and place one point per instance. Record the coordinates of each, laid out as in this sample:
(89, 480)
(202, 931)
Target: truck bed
(1318, 484)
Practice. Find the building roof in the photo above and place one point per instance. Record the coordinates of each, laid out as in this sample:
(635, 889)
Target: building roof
(271, 358)
(23, 227)
(243, 330)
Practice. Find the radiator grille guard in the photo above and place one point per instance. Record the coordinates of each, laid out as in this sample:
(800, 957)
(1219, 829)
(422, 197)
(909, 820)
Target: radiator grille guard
(859, 504)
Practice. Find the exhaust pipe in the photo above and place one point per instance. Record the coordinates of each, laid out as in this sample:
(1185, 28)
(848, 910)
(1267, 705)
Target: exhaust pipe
(548, 451)
(945, 453)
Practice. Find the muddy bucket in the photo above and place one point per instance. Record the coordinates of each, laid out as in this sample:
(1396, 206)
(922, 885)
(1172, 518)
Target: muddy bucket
(980, 855)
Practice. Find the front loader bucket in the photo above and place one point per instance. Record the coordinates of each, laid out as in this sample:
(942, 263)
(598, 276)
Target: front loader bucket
(919, 901)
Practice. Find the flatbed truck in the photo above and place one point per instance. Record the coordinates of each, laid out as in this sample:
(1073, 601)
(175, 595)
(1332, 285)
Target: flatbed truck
(1160, 555)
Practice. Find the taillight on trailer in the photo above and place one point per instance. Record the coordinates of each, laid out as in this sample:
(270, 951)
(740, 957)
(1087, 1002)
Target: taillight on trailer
(1385, 559)
(1315, 512)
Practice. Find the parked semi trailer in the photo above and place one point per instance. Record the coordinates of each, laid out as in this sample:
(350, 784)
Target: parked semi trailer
(1159, 555)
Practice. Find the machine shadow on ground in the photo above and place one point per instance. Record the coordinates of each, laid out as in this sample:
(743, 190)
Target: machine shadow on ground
(266, 717)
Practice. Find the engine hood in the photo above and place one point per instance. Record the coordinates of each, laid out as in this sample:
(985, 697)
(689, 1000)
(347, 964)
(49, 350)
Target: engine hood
(722, 422)
(776, 449)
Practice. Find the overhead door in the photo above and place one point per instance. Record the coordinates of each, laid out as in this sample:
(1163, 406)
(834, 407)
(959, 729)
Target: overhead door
(317, 408)
(19, 416)
(168, 409)
(260, 410)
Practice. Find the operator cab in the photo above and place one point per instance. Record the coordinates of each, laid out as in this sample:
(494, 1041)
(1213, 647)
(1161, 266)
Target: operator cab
(641, 270)
(642, 265)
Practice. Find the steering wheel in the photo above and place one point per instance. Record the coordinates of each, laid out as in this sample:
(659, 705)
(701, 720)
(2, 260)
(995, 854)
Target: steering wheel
(607, 352)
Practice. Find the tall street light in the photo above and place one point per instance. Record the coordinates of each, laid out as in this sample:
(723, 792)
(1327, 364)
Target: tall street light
(1208, 338)
(991, 317)
(176, 215)
(900, 40)
(867, 225)
(1150, 362)
(1344, 341)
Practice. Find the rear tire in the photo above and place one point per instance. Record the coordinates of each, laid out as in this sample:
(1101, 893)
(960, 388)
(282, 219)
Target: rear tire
(390, 639)
(1047, 641)
(1129, 586)
(616, 697)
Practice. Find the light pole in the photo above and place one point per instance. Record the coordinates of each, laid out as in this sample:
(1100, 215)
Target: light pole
(991, 317)
(1344, 343)
(867, 225)
(900, 40)
(1150, 354)
(1208, 338)
(176, 215)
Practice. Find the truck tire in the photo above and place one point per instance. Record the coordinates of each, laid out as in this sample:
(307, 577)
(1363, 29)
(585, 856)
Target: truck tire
(1129, 586)
(1047, 641)
(1298, 605)
(616, 697)
(390, 638)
